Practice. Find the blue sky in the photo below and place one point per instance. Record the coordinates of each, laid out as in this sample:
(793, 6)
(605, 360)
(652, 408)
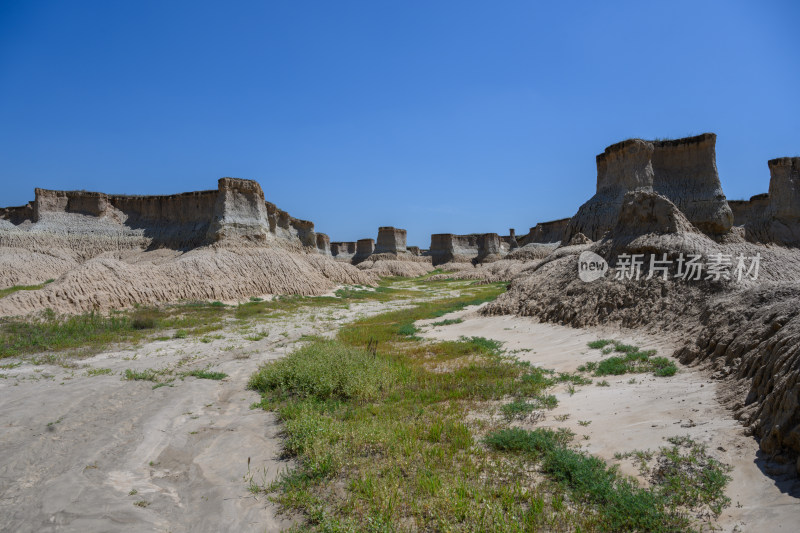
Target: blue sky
(433, 116)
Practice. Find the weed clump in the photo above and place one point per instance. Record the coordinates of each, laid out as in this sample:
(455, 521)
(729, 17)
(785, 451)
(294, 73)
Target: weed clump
(327, 369)
(631, 360)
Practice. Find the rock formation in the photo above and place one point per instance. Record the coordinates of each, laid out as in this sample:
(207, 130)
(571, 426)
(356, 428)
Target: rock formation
(745, 331)
(682, 170)
(746, 210)
(447, 248)
(546, 232)
(107, 251)
(779, 221)
(343, 251)
(488, 247)
(510, 239)
(323, 244)
(364, 249)
(390, 240)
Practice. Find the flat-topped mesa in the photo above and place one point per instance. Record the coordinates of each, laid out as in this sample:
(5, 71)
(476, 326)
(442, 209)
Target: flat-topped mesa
(546, 232)
(343, 251)
(17, 215)
(488, 247)
(391, 240)
(413, 250)
(784, 188)
(235, 211)
(779, 222)
(685, 171)
(364, 249)
(323, 244)
(746, 210)
(477, 247)
(682, 170)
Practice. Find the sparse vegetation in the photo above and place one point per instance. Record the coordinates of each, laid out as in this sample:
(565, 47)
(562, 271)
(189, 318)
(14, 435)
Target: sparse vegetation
(205, 374)
(382, 437)
(448, 322)
(98, 371)
(634, 360)
(681, 482)
(148, 374)
(10, 290)
(92, 332)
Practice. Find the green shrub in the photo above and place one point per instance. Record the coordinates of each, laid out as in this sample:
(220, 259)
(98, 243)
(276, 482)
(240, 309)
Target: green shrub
(537, 442)
(328, 369)
(601, 343)
(407, 330)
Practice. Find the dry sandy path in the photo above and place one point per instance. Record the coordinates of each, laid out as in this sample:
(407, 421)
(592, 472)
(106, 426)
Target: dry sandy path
(74, 447)
(628, 416)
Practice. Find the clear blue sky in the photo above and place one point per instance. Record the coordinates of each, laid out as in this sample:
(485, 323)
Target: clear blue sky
(433, 116)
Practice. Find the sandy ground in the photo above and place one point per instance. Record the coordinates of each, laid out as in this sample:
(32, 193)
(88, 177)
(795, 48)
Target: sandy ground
(629, 416)
(74, 447)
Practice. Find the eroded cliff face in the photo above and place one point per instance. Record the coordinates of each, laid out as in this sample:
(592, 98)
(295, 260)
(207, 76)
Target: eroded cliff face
(236, 211)
(391, 240)
(747, 331)
(60, 230)
(343, 251)
(475, 248)
(364, 249)
(778, 222)
(682, 170)
(240, 212)
(745, 211)
(323, 244)
(546, 232)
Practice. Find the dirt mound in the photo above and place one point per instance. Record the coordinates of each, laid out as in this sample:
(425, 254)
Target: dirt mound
(500, 270)
(532, 252)
(211, 273)
(396, 264)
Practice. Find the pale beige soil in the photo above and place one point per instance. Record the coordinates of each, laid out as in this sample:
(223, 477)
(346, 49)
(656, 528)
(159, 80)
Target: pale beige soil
(73, 447)
(638, 416)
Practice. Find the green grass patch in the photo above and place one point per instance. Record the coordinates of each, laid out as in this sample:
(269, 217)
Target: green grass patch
(11, 290)
(682, 480)
(99, 372)
(631, 360)
(600, 343)
(93, 332)
(205, 374)
(383, 439)
(147, 374)
(448, 322)
(522, 407)
(328, 369)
